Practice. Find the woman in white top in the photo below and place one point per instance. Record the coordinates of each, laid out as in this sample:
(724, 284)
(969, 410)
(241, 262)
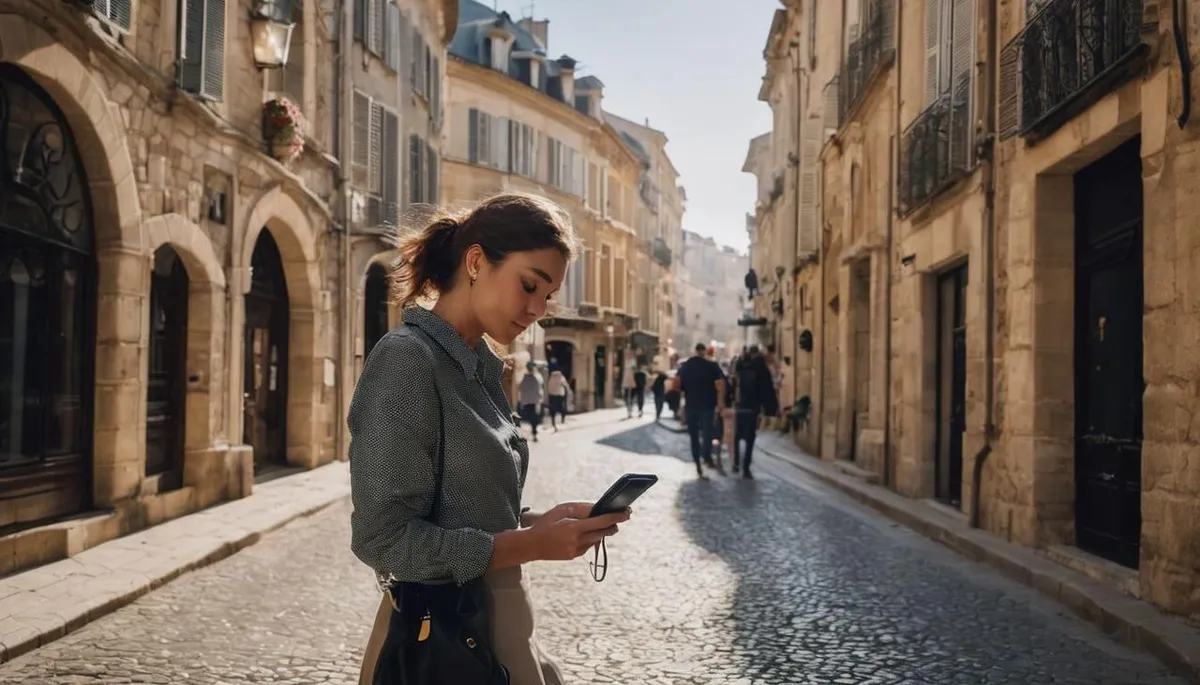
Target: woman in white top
(556, 392)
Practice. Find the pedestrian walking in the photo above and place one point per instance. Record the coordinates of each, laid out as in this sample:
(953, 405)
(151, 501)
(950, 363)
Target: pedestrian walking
(639, 389)
(437, 466)
(628, 386)
(754, 395)
(556, 392)
(658, 388)
(701, 382)
(530, 395)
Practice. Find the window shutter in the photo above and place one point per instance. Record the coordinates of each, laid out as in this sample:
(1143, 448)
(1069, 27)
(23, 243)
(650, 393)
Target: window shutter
(473, 136)
(391, 41)
(360, 157)
(500, 143)
(933, 43)
(202, 48)
(391, 168)
(214, 50)
(416, 67)
(578, 174)
(431, 193)
(376, 149)
(962, 65)
(435, 91)
(119, 12)
(811, 135)
(360, 20)
(1009, 116)
(415, 191)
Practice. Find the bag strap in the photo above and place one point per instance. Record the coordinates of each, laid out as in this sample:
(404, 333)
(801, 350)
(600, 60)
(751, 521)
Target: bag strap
(440, 465)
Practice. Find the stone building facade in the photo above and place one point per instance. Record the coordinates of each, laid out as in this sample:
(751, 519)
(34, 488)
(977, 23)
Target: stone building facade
(710, 303)
(521, 122)
(175, 284)
(1006, 210)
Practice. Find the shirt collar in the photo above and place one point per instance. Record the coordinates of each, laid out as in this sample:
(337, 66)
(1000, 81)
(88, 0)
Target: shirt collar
(470, 360)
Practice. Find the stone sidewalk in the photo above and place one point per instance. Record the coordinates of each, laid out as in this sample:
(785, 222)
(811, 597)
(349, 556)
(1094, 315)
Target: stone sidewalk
(43, 604)
(1126, 618)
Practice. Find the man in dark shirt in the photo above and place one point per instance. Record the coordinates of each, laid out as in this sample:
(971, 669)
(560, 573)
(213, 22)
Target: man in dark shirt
(754, 394)
(702, 383)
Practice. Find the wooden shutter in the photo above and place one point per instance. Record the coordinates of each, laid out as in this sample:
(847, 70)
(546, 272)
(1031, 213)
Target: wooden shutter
(416, 67)
(117, 12)
(392, 37)
(962, 68)
(1009, 115)
(376, 149)
(202, 49)
(473, 136)
(485, 138)
(425, 87)
(415, 190)
(808, 234)
(500, 143)
(360, 20)
(435, 91)
(377, 26)
(360, 153)
(933, 45)
(431, 190)
(580, 173)
(391, 168)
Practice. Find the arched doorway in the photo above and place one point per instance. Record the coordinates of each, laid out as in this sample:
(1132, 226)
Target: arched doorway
(266, 356)
(375, 308)
(166, 388)
(47, 309)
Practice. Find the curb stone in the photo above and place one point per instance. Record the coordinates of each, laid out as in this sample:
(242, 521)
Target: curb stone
(43, 604)
(1127, 619)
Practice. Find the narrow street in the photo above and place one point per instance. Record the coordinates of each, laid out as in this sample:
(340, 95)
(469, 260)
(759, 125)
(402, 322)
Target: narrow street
(776, 580)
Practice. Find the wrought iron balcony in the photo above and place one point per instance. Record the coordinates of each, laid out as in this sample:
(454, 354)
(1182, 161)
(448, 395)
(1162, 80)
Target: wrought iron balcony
(872, 51)
(660, 252)
(1069, 55)
(936, 150)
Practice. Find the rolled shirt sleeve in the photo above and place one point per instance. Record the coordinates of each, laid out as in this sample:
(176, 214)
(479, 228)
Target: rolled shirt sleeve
(393, 422)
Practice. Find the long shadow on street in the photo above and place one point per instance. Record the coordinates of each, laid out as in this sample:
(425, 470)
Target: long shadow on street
(827, 593)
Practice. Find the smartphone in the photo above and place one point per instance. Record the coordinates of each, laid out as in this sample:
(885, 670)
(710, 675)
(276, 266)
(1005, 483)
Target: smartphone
(623, 492)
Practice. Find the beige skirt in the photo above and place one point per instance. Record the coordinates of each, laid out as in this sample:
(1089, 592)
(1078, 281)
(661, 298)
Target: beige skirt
(513, 637)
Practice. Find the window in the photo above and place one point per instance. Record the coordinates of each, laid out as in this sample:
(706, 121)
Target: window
(390, 170)
(606, 276)
(435, 92)
(395, 29)
(418, 74)
(374, 26)
(521, 149)
(366, 162)
(115, 12)
(431, 175)
(949, 48)
(202, 48)
(479, 137)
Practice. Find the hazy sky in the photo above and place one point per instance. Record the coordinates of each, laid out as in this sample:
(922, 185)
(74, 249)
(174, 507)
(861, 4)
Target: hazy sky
(693, 67)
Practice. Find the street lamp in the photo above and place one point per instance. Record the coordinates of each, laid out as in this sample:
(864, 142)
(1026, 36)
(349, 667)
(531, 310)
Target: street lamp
(271, 32)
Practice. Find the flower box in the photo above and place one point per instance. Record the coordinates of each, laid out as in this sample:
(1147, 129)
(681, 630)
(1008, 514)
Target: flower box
(283, 129)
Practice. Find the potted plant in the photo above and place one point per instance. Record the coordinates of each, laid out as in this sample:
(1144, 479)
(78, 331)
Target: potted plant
(283, 128)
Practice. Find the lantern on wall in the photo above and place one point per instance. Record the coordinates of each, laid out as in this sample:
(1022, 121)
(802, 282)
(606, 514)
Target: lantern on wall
(271, 28)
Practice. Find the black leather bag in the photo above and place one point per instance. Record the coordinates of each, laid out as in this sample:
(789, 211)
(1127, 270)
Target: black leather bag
(438, 633)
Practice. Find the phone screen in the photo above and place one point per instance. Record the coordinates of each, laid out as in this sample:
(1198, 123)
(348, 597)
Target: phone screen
(623, 493)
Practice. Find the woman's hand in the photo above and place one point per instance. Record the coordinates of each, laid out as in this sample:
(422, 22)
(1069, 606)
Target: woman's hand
(567, 532)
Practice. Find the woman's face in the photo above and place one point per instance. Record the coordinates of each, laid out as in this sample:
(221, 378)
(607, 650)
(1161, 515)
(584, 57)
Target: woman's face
(510, 296)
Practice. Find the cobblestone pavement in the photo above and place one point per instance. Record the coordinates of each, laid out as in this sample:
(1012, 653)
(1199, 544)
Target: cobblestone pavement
(726, 581)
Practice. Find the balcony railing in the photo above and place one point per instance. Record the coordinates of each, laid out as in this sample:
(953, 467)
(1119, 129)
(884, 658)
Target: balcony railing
(660, 252)
(936, 150)
(1068, 55)
(868, 54)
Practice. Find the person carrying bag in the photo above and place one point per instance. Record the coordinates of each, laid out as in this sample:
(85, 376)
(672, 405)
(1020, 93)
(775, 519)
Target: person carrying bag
(437, 464)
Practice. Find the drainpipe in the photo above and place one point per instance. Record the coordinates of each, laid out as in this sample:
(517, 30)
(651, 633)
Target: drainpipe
(986, 147)
(342, 135)
(893, 160)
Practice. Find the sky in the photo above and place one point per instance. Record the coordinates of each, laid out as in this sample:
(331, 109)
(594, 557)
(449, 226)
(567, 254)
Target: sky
(693, 68)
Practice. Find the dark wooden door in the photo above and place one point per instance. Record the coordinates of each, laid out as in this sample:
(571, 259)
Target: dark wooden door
(1108, 355)
(166, 389)
(375, 308)
(951, 384)
(266, 358)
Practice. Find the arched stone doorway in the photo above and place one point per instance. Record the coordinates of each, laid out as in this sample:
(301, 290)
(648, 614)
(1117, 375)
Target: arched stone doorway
(265, 357)
(166, 380)
(47, 309)
(375, 307)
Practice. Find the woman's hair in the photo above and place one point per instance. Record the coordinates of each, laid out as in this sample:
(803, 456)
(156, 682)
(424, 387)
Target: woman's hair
(501, 225)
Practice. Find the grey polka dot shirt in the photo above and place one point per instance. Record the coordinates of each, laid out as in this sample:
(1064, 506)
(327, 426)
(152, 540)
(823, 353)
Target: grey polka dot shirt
(393, 424)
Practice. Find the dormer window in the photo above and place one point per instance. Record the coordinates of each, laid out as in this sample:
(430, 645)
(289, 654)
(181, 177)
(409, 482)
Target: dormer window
(498, 45)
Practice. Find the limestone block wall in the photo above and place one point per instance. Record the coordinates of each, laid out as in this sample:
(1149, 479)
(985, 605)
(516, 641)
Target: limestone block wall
(156, 161)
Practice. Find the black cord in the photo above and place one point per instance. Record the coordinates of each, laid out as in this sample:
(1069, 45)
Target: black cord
(598, 568)
(1179, 24)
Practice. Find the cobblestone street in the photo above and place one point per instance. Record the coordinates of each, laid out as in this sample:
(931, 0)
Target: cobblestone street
(727, 581)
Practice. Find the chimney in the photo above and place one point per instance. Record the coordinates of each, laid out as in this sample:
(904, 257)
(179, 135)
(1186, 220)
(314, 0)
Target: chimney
(539, 29)
(566, 70)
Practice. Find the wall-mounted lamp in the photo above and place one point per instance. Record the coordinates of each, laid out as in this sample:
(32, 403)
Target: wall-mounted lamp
(271, 32)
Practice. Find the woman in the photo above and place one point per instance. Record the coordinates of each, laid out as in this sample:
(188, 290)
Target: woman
(492, 272)
(556, 391)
